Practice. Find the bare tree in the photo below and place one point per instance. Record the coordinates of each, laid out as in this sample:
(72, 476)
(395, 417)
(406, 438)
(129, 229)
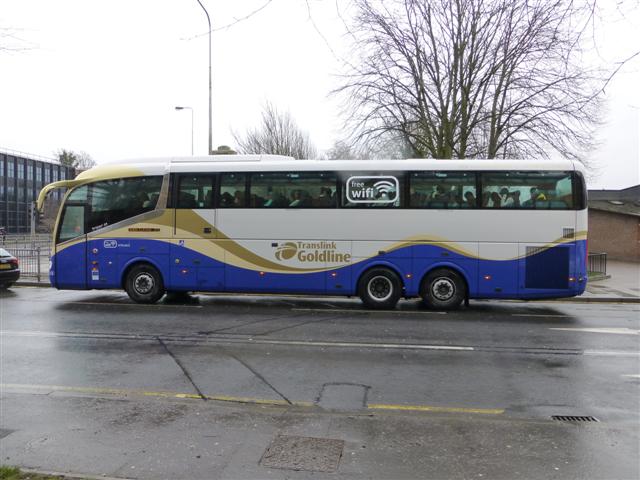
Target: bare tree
(78, 160)
(11, 42)
(278, 134)
(387, 147)
(473, 78)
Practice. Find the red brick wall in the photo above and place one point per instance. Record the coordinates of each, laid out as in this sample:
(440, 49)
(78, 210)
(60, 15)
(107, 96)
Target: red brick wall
(616, 234)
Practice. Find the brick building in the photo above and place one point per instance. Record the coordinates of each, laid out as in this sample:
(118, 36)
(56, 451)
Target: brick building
(614, 223)
(21, 178)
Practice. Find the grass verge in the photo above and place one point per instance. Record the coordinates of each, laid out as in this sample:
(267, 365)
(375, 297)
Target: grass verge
(13, 473)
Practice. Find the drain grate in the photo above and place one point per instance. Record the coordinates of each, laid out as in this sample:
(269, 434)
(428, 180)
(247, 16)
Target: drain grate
(574, 418)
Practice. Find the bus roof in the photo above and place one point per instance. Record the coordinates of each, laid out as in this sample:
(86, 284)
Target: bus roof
(253, 163)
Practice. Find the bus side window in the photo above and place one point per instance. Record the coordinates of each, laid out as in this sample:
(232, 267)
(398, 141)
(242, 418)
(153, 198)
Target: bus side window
(195, 191)
(232, 192)
(442, 190)
(112, 201)
(293, 190)
(372, 189)
(529, 190)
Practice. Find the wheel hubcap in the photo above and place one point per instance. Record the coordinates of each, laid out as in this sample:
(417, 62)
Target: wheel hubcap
(380, 288)
(443, 289)
(143, 283)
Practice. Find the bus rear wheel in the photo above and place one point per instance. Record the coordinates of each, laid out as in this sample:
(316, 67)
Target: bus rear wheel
(144, 284)
(380, 288)
(443, 289)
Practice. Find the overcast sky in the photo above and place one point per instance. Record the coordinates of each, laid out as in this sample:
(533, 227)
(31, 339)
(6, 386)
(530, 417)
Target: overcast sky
(104, 76)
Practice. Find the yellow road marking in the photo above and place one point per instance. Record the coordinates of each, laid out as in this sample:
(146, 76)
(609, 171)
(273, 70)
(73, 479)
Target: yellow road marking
(428, 408)
(246, 400)
(144, 393)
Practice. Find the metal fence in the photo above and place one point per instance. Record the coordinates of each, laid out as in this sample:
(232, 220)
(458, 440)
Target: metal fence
(42, 241)
(597, 263)
(34, 262)
(33, 252)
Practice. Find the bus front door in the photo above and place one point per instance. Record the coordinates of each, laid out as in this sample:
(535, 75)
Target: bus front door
(69, 264)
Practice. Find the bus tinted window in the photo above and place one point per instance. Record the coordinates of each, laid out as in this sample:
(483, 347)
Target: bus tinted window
(115, 200)
(442, 190)
(233, 190)
(371, 189)
(195, 191)
(293, 190)
(72, 224)
(579, 191)
(536, 190)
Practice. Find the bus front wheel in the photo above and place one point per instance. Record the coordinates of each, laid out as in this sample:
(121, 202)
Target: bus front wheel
(380, 288)
(443, 289)
(144, 284)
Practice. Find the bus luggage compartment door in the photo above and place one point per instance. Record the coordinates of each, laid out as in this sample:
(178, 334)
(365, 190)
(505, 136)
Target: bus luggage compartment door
(546, 271)
(498, 270)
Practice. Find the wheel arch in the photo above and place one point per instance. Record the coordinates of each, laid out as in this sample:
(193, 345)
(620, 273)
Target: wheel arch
(378, 264)
(139, 261)
(448, 266)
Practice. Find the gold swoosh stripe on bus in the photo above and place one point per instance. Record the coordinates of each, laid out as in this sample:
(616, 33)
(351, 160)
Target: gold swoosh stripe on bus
(193, 223)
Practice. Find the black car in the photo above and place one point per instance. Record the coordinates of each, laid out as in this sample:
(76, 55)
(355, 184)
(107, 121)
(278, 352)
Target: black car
(9, 269)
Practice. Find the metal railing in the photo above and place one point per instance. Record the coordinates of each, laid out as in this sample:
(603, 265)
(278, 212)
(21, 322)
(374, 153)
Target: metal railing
(33, 253)
(17, 241)
(34, 262)
(597, 263)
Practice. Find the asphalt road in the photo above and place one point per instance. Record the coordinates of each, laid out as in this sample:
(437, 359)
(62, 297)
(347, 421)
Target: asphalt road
(93, 384)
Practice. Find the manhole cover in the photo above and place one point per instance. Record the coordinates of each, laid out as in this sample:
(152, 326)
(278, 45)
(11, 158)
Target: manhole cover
(303, 453)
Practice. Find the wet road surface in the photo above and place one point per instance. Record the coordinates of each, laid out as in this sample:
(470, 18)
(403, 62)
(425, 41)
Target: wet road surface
(199, 389)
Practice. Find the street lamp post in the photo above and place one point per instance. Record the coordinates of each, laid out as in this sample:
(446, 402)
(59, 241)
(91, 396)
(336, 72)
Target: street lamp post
(189, 108)
(210, 104)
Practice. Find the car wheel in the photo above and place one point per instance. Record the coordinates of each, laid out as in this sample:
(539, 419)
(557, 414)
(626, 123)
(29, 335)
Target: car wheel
(443, 289)
(380, 288)
(144, 284)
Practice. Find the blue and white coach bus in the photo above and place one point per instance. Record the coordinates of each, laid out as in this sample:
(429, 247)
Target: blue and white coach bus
(443, 230)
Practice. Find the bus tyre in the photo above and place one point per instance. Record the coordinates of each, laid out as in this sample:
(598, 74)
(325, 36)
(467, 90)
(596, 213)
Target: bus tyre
(144, 284)
(443, 289)
(380, 288)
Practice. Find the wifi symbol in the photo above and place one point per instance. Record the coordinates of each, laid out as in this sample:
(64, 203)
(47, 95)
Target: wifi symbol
(384, 186)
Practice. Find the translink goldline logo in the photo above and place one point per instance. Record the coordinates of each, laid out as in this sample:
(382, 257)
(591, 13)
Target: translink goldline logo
(311, 252)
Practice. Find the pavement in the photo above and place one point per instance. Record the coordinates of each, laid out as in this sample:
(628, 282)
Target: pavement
(621, 285)
(230, 387)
